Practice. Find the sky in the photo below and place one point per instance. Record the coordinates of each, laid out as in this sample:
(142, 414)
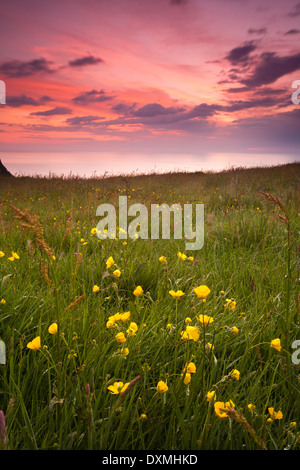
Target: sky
(124, 86)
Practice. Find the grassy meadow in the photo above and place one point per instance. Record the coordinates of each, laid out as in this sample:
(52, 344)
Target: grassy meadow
(92, 363)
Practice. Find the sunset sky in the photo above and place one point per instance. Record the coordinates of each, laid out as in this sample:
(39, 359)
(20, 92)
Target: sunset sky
(135, 85)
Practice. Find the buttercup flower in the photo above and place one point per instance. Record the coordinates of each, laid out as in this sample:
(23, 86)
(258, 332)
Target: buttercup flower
(109, 262)
(117, 387)
(190, 368)
(163, 259)
(230, 304)
(96, 288)
(275, 414)
(211, 395)
(52, 329)
(2, 301)
(187, 378)
(275, 344)
(220, 408)
(235, 330)
(120, 337)
(205, 319)
(251, 407)
(176, 294)
(235, 374)
(132, 329)
(124, 352)
(181, 255)
(138, 291)
(162, 387)
(35, 344)
(202, 292)
(2, 254)
(125, 316)
(117, 273)
(191, 332)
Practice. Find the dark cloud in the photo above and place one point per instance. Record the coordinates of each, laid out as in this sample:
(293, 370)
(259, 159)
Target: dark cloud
(83, 120)
(295, 11)
(124, 109)
(154, 109)
(24, 100)
(18, 68)
(292, 31)
(178, 2)
(53, 112)
(240, 55)
(271, 67)
(92, 96)
(257, 31)
(83, 61)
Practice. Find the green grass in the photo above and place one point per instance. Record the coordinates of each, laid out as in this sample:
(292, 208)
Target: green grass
(57, 398)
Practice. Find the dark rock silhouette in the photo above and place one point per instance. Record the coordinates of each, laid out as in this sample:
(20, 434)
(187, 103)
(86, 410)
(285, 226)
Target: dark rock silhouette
(3, 170)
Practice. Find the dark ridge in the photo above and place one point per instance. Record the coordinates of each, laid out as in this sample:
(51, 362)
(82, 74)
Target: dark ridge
(3, 170)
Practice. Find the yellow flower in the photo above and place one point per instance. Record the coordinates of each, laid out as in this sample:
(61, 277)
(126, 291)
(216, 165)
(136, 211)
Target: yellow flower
(251, 407)
(120, 337)
(162, 387)
(209, 346)
(275, 344)
(211, 395)
(109, 262)
(275, 414)
(230, 304)
(35, 344)
(124, 352)
(117, 387)
(190, 368)
(2, 254)
(205, 319)
(181, 255)
(110, 324)
(188, 321)
(96, 288)
(202, 292)
(132, 329)
(93, 231)
(138, 291)
(191, 332)
(2, 301)
(221, 408)
(143, 416)
(235, 330)
(235, 374)
(15, 255)
(53, 328)
(72, 354)
(125, 316)
(163, 259)
(176, 294)
(117, 273)
(187, 378)
(115, 317)
(191, 258)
